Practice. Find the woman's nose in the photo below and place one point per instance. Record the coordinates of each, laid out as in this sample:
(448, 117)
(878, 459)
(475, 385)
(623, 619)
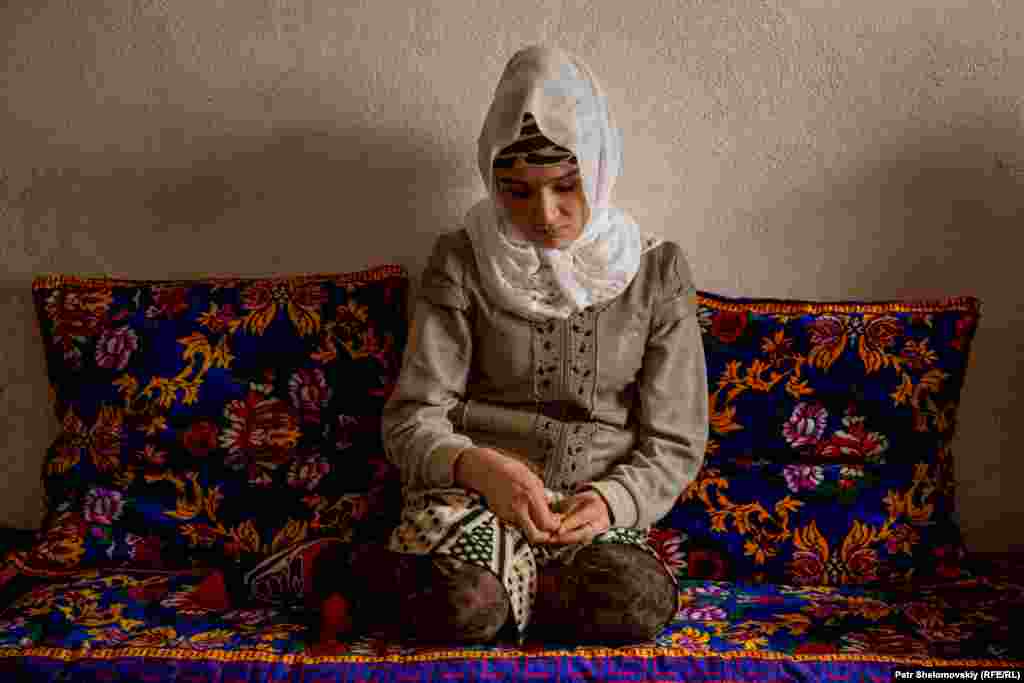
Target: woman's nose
(545, 209)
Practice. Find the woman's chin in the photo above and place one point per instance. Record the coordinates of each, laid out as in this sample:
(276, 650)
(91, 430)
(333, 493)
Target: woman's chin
(540, 239)
(549, 241)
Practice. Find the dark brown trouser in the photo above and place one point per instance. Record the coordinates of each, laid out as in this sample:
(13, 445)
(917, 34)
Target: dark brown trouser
(610, 593)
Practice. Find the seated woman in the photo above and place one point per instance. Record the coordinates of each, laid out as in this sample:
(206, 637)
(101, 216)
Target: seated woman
(553, 400)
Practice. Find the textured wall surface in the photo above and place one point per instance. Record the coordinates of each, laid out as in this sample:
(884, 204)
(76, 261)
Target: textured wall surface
(868, 149)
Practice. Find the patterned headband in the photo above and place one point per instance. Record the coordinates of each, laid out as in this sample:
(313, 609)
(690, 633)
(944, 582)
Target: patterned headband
(533, 148)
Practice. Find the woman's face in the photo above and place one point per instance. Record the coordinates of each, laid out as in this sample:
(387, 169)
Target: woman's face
(544, 197)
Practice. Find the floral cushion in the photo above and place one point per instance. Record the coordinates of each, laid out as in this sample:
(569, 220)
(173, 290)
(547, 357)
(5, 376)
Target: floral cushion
(829, 456)
(214, 420)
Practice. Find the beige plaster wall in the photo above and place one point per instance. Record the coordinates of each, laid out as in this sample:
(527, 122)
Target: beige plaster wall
(868, 148)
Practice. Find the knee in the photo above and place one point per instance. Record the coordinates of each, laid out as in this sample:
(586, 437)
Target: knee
(615, 593)
(458, 602)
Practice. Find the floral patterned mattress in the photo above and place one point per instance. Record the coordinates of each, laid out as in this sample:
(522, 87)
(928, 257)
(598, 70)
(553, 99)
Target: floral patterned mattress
(107, 626)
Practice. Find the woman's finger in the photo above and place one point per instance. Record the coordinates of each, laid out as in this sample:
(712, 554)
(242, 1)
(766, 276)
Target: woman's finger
(580, 514)
(526, 525)
(581, 534)
(540, 512)
(584, 525)
(570, 517)
(558, 521)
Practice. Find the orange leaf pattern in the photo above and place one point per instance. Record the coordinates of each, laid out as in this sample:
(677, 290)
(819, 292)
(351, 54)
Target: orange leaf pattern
(828, 460)
(182, 402)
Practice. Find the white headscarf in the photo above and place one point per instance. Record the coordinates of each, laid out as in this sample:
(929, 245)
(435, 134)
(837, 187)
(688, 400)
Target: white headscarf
(570, 109)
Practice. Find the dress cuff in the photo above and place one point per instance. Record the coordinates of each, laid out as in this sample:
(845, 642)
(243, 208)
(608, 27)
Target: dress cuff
(439, 471)
(620, 502)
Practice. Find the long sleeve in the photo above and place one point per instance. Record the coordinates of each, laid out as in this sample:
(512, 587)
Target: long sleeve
(671, 409)
(418, 436)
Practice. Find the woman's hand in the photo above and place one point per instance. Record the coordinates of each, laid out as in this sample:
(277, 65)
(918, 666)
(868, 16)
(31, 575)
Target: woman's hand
(586, 516)
(513, 492)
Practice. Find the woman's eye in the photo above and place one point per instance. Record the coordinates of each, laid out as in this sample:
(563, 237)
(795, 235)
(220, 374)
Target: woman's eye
(524, 195)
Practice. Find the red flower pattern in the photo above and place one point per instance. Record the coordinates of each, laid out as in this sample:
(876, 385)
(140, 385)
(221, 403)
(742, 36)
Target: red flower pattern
(201, 438)
(728, 326)
(261, 435)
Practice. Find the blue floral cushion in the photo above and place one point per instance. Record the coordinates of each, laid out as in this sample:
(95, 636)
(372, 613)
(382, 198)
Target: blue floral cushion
(829, 456)
(215, 420)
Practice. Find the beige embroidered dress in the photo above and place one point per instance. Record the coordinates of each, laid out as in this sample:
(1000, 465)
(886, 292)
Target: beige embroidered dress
(614, 397)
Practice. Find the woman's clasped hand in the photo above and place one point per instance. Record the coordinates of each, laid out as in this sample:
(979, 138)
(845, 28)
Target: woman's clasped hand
(515, 494)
